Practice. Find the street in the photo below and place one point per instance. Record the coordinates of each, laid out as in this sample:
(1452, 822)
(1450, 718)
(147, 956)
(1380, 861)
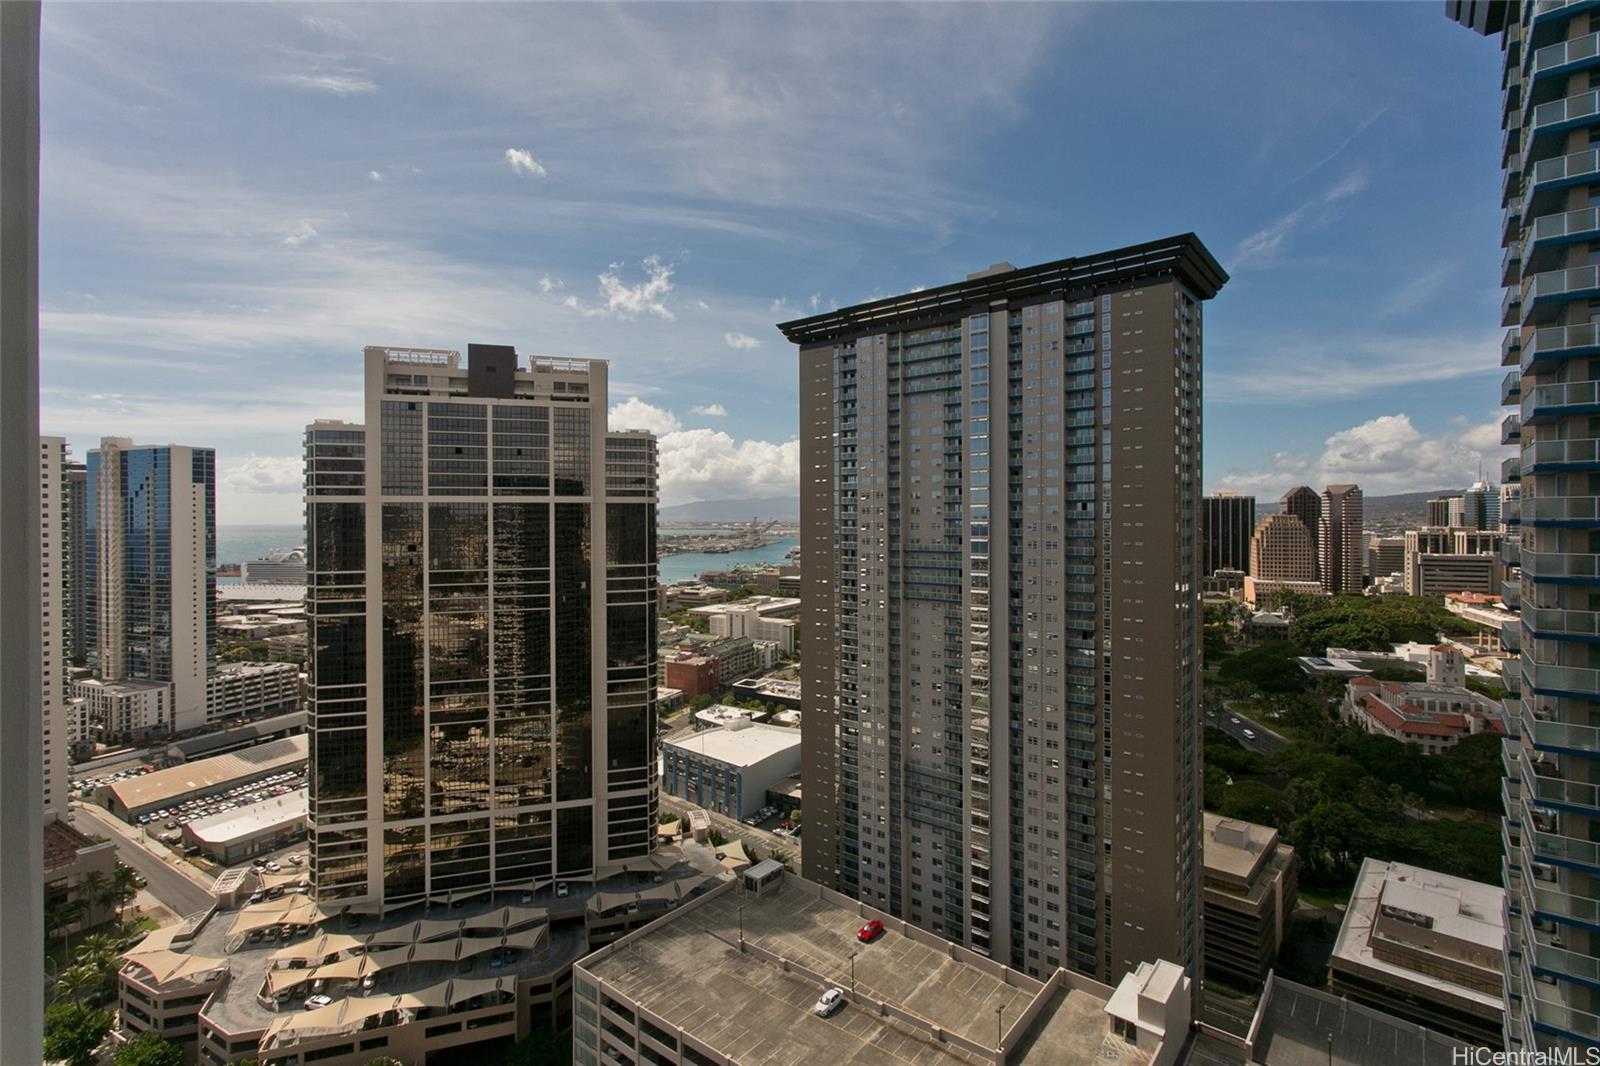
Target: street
(1231, 722)
(176, 884)
(730, 828)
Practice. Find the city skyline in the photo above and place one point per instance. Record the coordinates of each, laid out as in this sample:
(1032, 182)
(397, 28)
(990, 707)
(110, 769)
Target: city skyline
(675, 255)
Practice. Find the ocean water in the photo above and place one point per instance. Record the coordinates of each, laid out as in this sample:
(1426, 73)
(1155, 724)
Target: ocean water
(241, 544)
(690, 565)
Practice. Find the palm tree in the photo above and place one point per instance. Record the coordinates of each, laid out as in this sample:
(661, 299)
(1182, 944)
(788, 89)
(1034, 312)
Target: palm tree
(97, 948)
(126, 885)
(59, 918)
(94, 889)
(78, 981)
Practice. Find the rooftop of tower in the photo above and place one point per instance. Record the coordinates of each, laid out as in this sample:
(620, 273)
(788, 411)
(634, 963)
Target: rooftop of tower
(1183, 256)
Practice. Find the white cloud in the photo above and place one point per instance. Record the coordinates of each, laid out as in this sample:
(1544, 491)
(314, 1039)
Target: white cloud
(301, 234)
(549, 284)
(1265, 242)
(815, 301)
(375, 175)
(261, 474)
(634, 413)
(709, 410)
(780, 305)
(701, 305)
(346, 84)
(522, 162)
(630, 301)
(708, 464)
(740, 342)
(1347, 365)
(1383, 455)
(326, 25)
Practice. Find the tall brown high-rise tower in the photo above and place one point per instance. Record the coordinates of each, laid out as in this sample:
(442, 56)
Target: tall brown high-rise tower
(1001, 606)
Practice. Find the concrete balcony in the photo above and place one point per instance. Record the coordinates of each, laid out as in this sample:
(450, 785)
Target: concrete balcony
(1551, 1014)
(1561, 568)
(1548, 623)
(1511, 388)
(1511, 429)
(1581, 511)
(1565, 57)
(1511, 552)
(1511, 307)
(1511, 265)
(1511, 221)
(1546, 403)
(1549, 121)
(1551, 175)
(1546, 293)
(1542, 784)
(1549, 234)
(1545, 456)
(1560, 342)
(1571, 852)
(1511, 347)
(1576, 681)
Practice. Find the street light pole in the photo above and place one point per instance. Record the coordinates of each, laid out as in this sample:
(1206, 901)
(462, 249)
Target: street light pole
(999, 1030)
(853, 955)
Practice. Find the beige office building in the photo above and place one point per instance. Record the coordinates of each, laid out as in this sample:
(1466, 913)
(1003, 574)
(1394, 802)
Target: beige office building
(1251, 883)
(1304, 503)
(1000, 621)
(1441, 560)
(1281, 550)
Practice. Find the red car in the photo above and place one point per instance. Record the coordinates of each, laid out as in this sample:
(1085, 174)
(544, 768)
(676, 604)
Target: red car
(870, 932)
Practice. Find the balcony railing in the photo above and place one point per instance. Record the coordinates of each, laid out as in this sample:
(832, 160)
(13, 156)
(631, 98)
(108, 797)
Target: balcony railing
(1569, 225)
(1571, 110)
(1556, 622)
(1548, 678)
(1511, 468)
(1565, 284)
(1511, 348)
(1563, 509)
(1560, 453)
(1560, 342)
(1567, 55)
(1560, 566)
(1545, 787)
(1511, 388)
(1563, 170)
(1544, 402)
(1511, 429)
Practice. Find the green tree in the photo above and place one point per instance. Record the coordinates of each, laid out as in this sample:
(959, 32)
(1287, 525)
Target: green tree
(149, 1049)
(716, 837)
(701, 702)
(95, 888)
(1469, 772)
(1253, 801)
(125, 885)
(72, 1030)
(1331, 838)
(1269, 668)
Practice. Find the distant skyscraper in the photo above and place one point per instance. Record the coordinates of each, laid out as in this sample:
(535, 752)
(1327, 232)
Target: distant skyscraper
(1548, 191)
(1226, 522)
(52, 522)
(1280, 550)
(1510, 507)
(1480, 507)
(1440, 510)
(481, 604)
(1001, 629)
(1385, 556)
(150, 539)
(1306, 505)
(74, 595)
(1340, 547)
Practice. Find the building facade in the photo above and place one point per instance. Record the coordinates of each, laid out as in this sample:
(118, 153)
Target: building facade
(1251, 884)
(1226, 523)
(481, 612)
(52, 623)
(1546, 67)
(150, 547)
(1480, 507)
(1386, 556)
(1000, 620)
(1303, 503)
(1340, 545)
(1441, 560)
(286, 567)
(1282, 549)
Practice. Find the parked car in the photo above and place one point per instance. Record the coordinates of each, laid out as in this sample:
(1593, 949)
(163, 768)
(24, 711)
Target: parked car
(561, 890)
(870, 932)
(831, 1003)
(313, 1002)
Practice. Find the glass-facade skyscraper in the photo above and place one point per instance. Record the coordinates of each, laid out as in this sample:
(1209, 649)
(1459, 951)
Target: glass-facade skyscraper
(150, 569)
(481, 622)
(1000, 522)
(1549, 74)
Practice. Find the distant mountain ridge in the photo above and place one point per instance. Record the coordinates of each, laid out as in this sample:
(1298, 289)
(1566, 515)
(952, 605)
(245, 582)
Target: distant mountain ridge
(783, 508)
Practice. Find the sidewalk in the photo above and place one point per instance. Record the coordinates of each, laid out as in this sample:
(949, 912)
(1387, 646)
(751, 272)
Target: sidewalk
(138, 838)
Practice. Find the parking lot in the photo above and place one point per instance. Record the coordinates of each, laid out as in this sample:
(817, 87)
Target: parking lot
(167, 823)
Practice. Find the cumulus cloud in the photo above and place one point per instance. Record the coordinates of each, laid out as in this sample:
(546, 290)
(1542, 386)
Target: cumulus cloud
(260, 474)
(522, 162)
(708, 464)
(1383, 455)
(630, 301)
(709, 410)
(301, 234)
(740, 342)
(549, 284)
(375, 175)
(634, 413)
(701, 305)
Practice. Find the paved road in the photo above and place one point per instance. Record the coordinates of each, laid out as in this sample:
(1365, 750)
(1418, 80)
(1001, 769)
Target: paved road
(168, 879)
(1231, 722)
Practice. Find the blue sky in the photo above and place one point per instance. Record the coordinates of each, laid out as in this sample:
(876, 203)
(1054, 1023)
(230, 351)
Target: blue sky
(236, 198)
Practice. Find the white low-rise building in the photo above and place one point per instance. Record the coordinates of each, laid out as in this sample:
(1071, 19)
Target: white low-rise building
(125, 709)
(250, 830)
(729, 769)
